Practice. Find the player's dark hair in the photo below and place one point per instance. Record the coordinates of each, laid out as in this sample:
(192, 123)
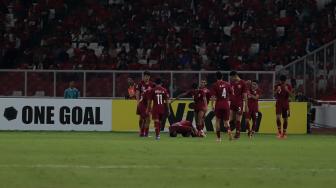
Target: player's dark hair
(283, 78)
(158, 81)
(147, 73)
(219, 75)
(233, 73)
(194, 86)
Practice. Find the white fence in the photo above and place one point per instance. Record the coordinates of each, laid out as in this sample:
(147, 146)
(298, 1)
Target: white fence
(111, 84)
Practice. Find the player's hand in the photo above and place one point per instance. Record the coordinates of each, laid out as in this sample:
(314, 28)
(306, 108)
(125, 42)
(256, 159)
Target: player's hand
(286, 88)
(168, 113)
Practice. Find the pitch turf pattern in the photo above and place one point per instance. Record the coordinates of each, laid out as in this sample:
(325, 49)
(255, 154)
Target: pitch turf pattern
(71, 160)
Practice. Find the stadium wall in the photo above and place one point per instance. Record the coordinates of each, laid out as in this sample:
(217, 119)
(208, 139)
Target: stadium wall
(118, 115)
(55, 114)
(125, 118)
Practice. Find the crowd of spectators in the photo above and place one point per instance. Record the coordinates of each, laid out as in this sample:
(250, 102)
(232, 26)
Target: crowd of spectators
(161, 34)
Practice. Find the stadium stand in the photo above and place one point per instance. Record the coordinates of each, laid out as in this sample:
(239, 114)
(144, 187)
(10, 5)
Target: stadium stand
(161, 34)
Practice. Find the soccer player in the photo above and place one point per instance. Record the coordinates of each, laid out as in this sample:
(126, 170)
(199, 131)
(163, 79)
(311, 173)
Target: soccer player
(221, 92)
(238, 101)
(71, 92)
(207, 92)
(144, 120)
(282, 92)
(200, 106)
(160, 98)
(183, 127)
(253, 97)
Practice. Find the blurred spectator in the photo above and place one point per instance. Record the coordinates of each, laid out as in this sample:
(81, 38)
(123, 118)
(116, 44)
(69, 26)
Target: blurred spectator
(148, 34)
(71, 92)
(130, 89)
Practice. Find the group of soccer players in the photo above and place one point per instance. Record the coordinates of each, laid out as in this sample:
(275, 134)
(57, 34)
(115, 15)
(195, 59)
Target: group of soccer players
(229, 100)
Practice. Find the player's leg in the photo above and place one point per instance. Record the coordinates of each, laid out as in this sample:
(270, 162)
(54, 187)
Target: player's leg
(141, 111)
(218, 120)
(278, 119)
(247, 122)
(232, 118)
(227, 123)
(146, 125)
(285, 115)
(142, 124)
(200, 122)
(254, 117)
(239, 116)
(157, 124)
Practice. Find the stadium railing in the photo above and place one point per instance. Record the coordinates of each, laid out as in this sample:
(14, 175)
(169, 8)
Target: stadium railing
(315, 73)
(111, 83)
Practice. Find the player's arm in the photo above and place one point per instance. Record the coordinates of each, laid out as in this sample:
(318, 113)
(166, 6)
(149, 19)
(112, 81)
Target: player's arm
(179, 96)
(182, 94)
(245, 105)
(150, 99)
(149, 105)
(245, 102)
(205, 101)
(277, 90)
(167, 104)
(288, 89)
(256, 96)
(137, 95)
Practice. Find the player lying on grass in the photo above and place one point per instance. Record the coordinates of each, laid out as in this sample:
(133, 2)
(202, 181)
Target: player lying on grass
(185, 128)
(200, 105)
(159, 97)
(253, 94)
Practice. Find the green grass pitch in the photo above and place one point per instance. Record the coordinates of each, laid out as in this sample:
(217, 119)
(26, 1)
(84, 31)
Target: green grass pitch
(83, 160)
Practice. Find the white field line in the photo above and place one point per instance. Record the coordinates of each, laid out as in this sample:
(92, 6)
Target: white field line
(55, 166)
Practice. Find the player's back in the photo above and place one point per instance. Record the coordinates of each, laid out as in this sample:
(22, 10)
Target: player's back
(159, 95)
(222, 90)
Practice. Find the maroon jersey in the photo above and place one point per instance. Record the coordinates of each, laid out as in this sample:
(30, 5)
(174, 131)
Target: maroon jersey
(253, 103)
(281, 94)
(143, 87)
(239, 88)
(183, 127)
(183, 123)
(222, 91)
(207, 93)
(198, 96)
(159, 96)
